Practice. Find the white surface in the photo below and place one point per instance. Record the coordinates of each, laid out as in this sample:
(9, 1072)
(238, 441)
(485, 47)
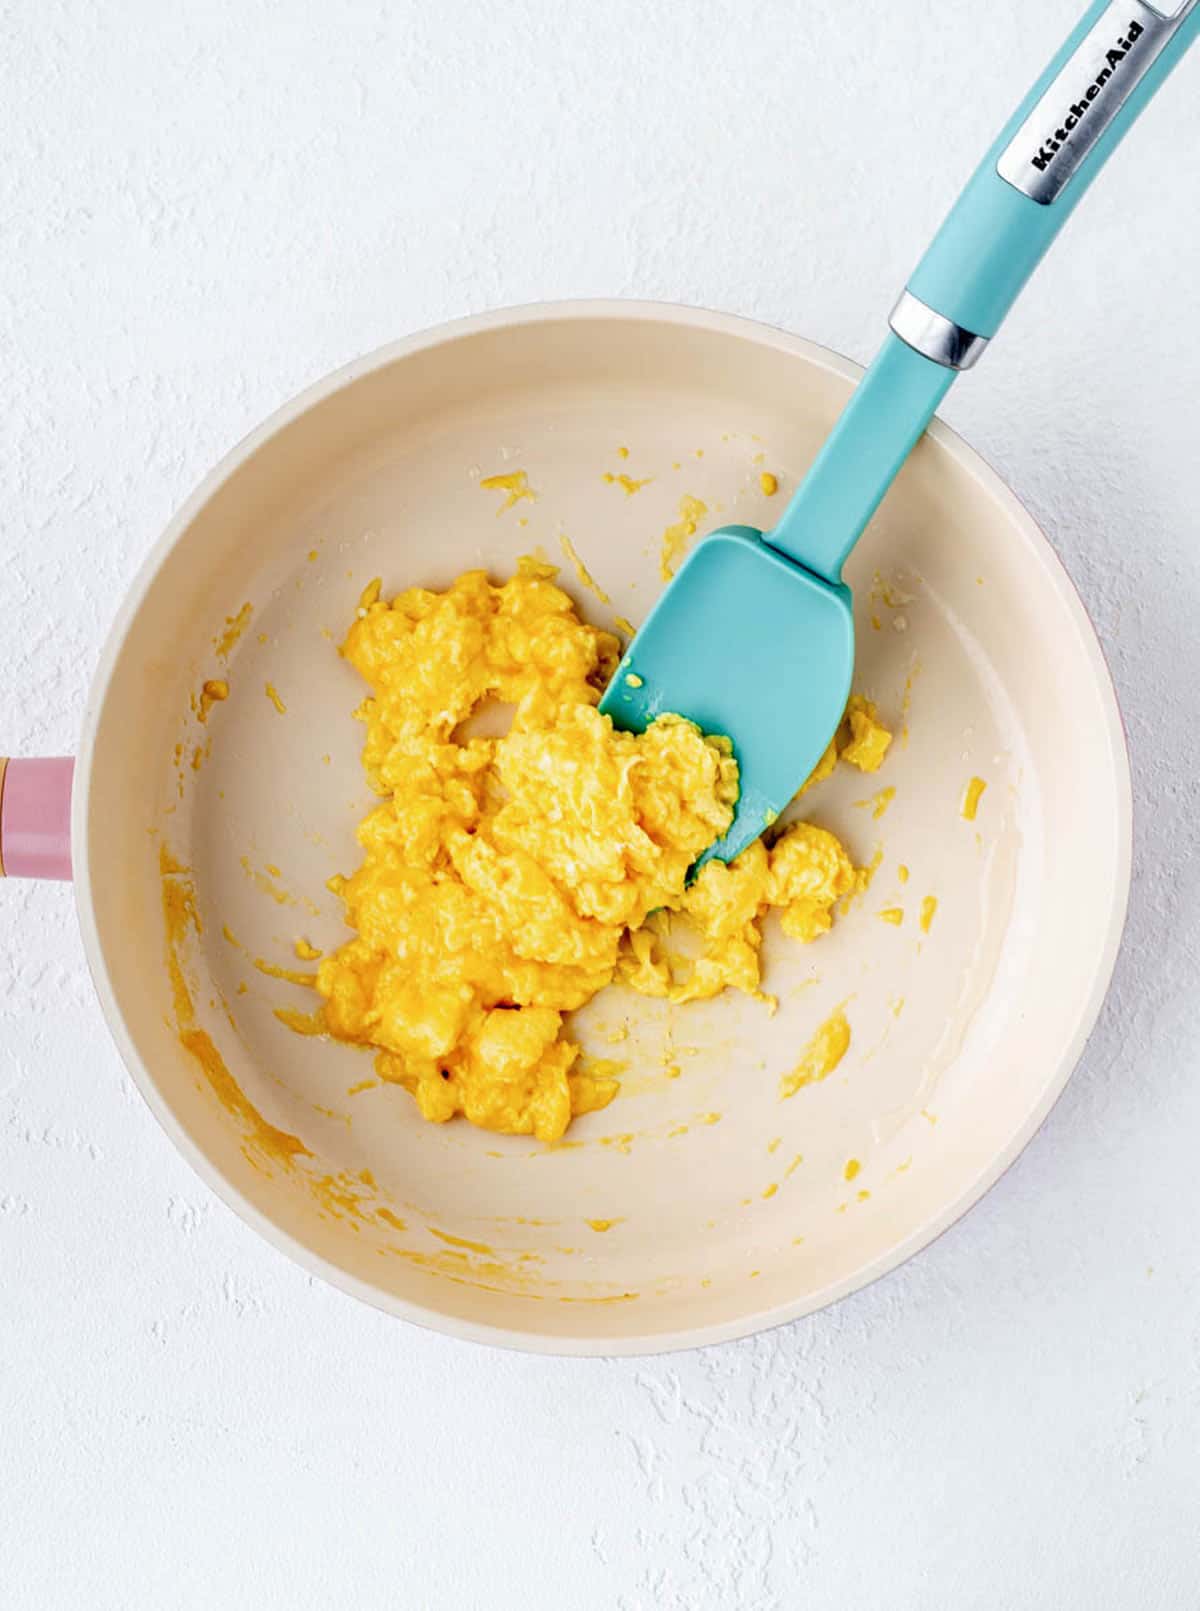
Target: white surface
(200, 215)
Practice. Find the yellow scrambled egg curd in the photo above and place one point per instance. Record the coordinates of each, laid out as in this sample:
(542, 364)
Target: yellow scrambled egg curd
(505, 880)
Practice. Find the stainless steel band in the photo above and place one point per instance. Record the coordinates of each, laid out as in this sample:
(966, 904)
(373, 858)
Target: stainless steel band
(933, 336)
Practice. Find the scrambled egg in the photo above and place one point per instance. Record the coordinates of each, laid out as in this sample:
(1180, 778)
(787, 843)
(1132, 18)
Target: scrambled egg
(505, 880)
(821, 1056)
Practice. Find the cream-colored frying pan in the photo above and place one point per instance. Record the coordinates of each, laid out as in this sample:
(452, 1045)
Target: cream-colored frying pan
(701, 1205)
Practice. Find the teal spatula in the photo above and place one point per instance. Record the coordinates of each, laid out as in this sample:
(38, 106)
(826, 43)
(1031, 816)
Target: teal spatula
(754, 638)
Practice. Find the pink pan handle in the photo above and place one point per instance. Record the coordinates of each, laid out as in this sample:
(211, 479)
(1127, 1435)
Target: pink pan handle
(35, 817)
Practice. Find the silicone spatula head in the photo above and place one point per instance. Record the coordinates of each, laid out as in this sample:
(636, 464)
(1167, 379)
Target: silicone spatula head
(746, 644)
(754, 638)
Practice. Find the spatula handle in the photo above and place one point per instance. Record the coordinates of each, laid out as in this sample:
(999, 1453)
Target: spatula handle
(1040, 166)
(1019, 198)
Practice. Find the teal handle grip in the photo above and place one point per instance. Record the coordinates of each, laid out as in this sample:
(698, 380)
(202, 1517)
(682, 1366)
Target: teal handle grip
(1030, 182)
(863, 454)
(995, 236)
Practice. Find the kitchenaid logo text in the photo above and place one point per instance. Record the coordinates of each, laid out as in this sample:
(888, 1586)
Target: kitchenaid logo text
(1080, 109)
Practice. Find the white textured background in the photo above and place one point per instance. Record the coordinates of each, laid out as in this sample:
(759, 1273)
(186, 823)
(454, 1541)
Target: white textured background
(202, 209)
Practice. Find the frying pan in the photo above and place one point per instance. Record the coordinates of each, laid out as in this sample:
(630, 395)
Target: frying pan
(701, 1205)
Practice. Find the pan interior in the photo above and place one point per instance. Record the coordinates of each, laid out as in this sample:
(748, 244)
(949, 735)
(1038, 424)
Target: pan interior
(699, 1204)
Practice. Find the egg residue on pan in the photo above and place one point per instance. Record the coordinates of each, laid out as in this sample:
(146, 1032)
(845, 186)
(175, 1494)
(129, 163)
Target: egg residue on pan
(505, 880)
